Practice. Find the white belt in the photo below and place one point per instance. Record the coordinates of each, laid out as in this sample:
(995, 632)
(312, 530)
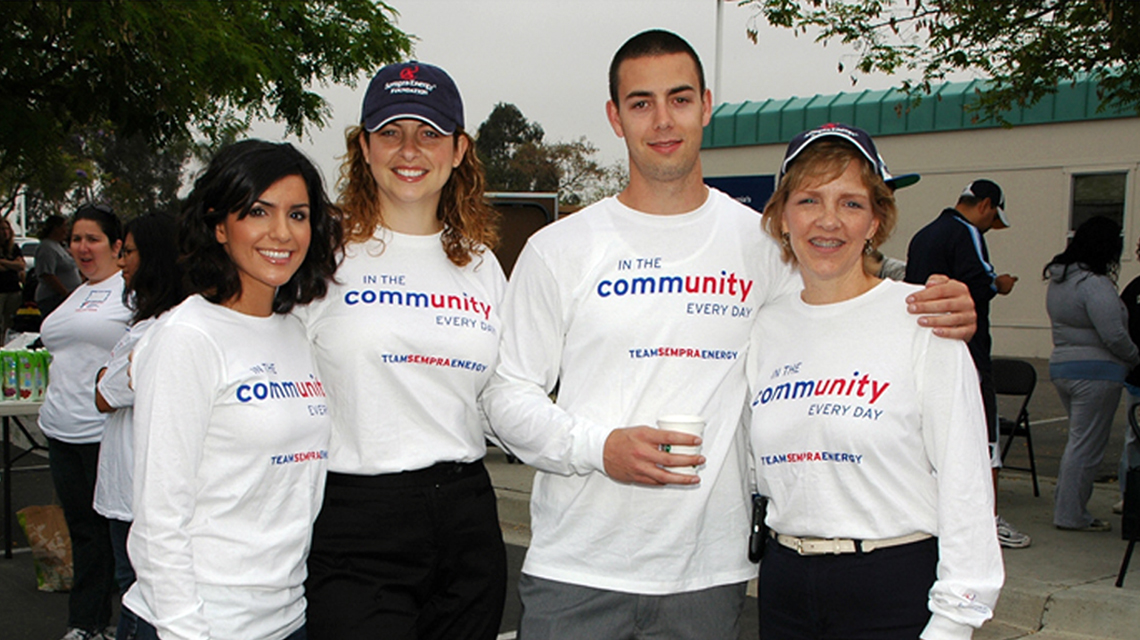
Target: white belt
(823, 546)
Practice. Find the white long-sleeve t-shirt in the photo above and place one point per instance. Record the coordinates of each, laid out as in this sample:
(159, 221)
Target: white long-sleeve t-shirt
(406, 341)
(231, 445)
(80, 334)
(113, 484)
(635, 316)
(867, 426)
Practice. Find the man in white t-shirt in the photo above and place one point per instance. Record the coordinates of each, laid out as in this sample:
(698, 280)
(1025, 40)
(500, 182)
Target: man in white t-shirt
(636, 307)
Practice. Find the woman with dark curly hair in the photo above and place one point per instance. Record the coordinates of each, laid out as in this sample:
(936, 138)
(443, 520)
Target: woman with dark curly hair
(1092, 353)
(408, 543)
(231, 422)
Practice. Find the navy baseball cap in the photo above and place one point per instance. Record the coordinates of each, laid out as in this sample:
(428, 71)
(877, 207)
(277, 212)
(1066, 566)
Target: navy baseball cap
(413, 90)
(856, 136)
(982, 189)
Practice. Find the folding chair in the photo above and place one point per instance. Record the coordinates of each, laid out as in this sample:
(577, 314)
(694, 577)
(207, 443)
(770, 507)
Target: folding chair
(1130, 521)
(1014, 377)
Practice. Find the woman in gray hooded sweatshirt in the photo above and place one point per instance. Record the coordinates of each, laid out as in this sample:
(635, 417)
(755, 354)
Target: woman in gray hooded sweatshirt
(1092, 353)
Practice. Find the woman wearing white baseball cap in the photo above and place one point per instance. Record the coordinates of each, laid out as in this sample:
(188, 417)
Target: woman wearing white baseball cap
(408, 542)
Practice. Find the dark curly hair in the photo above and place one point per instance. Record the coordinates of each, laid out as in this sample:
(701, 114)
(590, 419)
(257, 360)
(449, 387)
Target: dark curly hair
(1096, 245)
(156, 285)
(236, 176)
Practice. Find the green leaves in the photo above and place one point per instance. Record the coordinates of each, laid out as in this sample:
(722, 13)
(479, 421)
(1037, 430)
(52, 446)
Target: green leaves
(161, 69)
(1026, 47)
(515, 158)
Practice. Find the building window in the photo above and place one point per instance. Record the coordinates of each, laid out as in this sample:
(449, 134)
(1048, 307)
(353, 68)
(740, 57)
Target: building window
(1098, 194)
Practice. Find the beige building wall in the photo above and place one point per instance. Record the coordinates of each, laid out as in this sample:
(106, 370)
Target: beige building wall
(1033, 164)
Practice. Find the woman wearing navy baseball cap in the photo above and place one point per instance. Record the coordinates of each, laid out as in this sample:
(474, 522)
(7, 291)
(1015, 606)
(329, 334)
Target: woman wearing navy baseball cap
(866, 428)
(408, 544)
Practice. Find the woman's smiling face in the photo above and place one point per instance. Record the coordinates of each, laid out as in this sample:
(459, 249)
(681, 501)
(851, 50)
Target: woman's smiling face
(828, 226)
(268, 244)
(411, 162)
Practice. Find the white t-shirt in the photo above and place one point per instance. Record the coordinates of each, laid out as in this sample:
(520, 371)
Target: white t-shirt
(80, 334)
(636, 316)
(231, 444)
(405, 341)
(867, 426)
(113, 489)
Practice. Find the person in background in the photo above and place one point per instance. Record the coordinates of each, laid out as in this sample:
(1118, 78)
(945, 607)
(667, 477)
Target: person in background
(1092, 354)
(152, 284)
(885, 267)
(888, 533)
(408, 543)
(56, 271)
(80, 334)
(954, 244)
(12, 267)
(1130, 455)
(230, 418)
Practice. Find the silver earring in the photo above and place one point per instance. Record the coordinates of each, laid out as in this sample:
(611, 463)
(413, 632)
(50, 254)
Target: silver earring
(868, 248)
(786, 240)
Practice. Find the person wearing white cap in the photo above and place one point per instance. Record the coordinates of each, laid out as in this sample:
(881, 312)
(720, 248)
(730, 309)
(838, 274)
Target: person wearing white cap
(953, 244)
(408, 543)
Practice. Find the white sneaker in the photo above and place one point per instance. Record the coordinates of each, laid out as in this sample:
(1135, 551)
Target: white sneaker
(1118, 508)
(1009, 537)
(75, 633)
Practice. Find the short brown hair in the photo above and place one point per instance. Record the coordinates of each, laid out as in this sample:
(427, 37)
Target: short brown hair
(655, 42)
(821, 163)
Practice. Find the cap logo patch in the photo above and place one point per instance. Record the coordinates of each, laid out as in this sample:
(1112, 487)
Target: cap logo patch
(408, 83)
(828, 129)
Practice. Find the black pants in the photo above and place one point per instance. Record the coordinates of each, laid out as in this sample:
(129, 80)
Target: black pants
(416, 555)
(881, 595)
(73, 469)
(989, 403)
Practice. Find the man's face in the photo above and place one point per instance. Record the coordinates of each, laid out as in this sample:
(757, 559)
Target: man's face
(661, 113)
(989, 216)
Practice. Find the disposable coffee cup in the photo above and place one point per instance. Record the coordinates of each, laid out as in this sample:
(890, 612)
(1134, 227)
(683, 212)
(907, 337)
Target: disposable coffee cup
(693, 425)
